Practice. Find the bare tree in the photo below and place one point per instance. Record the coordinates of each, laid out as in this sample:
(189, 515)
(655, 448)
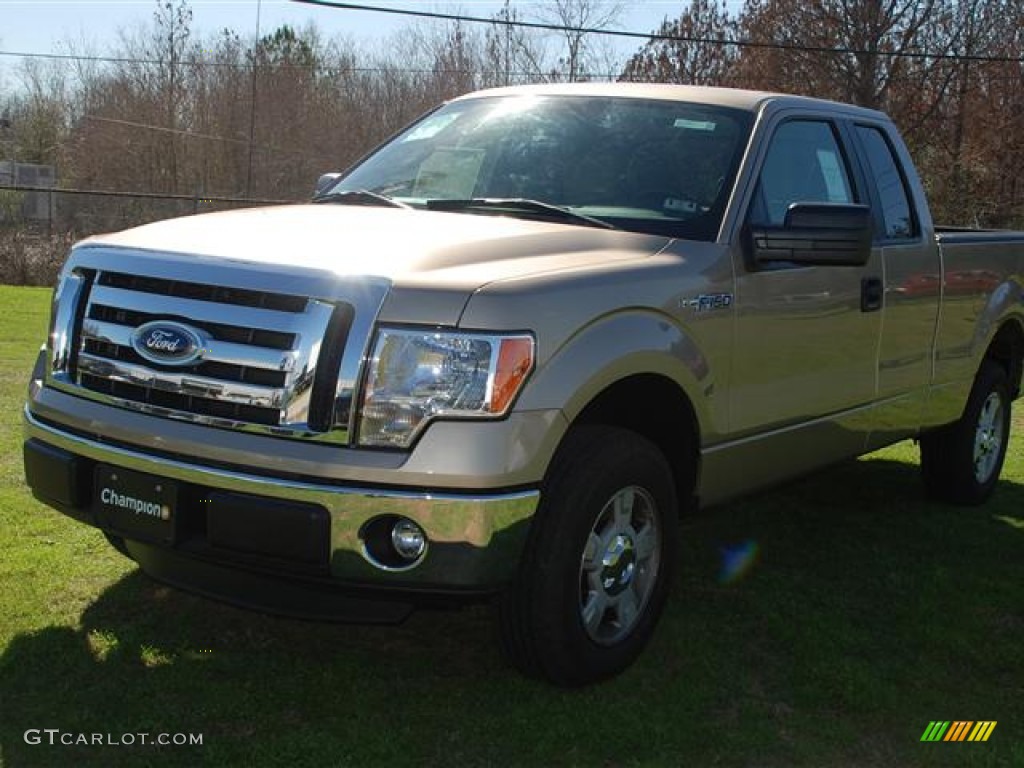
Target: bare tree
(697, 52)
(171, 111)
(973, 28)
(171, 34)
(38, 116)
(575, 18)
(849, 50)
(512, 53)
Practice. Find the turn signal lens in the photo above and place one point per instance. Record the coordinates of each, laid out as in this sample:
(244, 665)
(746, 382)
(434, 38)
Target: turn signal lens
(515, 360)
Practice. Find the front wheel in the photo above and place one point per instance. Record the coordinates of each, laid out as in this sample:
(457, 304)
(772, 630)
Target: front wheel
(961, 462)
(596, 572)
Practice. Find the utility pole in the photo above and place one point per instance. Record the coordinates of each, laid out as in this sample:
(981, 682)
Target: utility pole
(252, 103)
(12, 168)
(508, 45)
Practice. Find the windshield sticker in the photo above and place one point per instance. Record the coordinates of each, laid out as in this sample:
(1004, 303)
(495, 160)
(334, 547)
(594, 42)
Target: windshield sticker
(833, 175)
(683, 206)
(695, 125)
(449, 173)
(431, 127)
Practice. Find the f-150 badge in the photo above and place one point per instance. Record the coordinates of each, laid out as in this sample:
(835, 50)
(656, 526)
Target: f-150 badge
(707, 302)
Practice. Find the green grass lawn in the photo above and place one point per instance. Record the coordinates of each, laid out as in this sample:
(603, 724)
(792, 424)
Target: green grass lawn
(869, 614)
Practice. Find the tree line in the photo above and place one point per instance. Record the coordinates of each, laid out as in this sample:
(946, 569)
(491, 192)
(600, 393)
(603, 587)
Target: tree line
(169, 110)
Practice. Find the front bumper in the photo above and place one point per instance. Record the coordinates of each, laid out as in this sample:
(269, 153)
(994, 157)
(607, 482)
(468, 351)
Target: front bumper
(245, 536)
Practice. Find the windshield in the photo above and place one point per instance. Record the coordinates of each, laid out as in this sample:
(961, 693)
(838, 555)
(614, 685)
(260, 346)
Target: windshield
(660, 167)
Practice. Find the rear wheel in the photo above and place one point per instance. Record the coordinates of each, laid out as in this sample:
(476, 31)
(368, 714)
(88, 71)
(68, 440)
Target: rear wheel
(596, 572)
(961, 462)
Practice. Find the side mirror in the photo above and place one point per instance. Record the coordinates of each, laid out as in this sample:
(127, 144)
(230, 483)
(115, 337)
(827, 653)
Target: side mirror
(824, 234)
(324, 183)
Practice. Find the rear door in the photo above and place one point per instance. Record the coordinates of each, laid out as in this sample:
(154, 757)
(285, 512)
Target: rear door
(913, 285)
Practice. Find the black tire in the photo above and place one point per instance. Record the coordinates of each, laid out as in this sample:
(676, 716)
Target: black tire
(960, 463)
(609, 491)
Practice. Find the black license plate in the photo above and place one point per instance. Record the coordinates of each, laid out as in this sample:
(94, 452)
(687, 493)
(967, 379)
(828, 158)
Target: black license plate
(136, 505)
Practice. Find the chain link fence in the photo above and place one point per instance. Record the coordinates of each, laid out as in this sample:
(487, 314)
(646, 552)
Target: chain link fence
(38, 225)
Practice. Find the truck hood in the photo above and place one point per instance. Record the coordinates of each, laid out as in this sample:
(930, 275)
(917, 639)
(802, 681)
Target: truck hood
(412, 248)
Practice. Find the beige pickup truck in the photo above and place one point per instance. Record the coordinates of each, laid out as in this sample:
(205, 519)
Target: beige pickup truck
(499, 357)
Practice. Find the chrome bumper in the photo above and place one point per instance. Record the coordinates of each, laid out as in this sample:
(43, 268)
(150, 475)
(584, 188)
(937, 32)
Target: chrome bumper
(475, 540)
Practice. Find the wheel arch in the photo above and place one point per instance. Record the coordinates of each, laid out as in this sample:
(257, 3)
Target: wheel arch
(657, 408)
(636, 369)
(1007, 350)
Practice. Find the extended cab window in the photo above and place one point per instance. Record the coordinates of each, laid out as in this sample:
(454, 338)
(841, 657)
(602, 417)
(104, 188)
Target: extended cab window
(892, 191)
(804, 164)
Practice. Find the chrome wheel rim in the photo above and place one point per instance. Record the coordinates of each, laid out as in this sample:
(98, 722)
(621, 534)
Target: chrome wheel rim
(988, 437)
(619, 567)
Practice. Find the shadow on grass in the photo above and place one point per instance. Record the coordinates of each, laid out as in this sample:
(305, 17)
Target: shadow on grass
(868, 614)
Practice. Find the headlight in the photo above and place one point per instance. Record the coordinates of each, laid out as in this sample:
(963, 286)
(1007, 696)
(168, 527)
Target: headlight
(418, 376)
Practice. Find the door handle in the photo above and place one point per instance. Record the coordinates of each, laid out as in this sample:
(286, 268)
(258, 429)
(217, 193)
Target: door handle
(872, 292)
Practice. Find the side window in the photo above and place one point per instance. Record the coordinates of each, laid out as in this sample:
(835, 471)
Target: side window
(892, 191)
(804, 165)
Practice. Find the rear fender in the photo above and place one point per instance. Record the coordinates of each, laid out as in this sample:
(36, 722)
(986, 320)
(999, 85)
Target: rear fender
(956, 366)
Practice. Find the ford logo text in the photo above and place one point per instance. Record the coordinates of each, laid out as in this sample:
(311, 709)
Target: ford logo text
(168, 343)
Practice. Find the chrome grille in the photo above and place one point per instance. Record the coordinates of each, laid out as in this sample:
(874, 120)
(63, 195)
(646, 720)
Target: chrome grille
(258, 367)
(282, 346)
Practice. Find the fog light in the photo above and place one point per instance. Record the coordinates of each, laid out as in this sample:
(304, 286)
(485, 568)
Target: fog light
(393, 543)
(408, 539)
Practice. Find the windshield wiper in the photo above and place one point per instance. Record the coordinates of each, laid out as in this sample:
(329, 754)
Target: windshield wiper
(359, 197)
(542, 210)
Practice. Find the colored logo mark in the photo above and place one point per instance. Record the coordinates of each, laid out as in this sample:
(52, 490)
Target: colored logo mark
(168, 343)
(959, 730)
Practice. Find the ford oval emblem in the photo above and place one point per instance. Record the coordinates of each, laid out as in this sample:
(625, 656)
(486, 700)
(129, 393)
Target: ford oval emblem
(168, 343)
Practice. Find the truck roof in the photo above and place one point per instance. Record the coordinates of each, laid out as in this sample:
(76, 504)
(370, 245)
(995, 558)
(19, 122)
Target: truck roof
(736, 98)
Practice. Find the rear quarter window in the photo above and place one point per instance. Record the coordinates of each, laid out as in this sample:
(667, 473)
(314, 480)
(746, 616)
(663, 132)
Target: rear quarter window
(897, 213)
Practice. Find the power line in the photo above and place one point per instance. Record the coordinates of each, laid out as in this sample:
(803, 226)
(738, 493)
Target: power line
(107, 59)
(658, 36)
(143, 195)
(328, 68)
(161, 129)
(132, 60)
(195, 135)
(537, 25)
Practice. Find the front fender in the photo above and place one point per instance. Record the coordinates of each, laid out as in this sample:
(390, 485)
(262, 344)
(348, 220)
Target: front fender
(614, 347)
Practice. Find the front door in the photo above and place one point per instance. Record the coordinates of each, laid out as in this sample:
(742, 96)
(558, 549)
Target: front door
(806, 348)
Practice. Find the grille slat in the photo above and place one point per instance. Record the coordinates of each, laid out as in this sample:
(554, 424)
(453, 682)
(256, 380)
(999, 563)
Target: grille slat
(218, 351)
(173, 401)
(216, 294)
(212, 369)
(180, 381)
(124, 307)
